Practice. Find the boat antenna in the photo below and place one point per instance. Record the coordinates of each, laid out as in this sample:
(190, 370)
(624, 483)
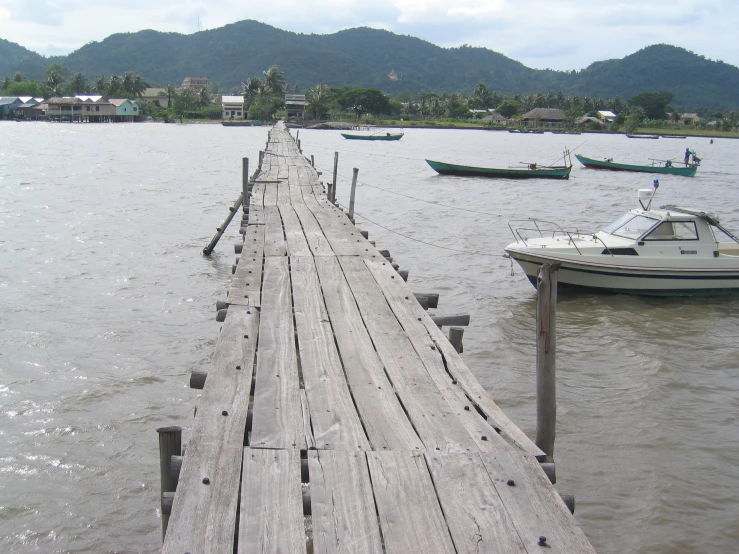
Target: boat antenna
(566, 154)
(655, 184)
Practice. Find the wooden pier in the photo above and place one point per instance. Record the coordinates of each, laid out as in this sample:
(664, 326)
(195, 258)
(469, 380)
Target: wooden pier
(336, 416)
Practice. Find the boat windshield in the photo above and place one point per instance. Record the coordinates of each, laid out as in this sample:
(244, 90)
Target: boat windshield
(630, 226)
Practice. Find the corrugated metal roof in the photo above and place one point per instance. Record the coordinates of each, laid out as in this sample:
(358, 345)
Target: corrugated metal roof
(232, 99)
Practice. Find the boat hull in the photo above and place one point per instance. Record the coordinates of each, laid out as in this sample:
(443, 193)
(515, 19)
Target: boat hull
(351, 136)
(505, 173)
(688, 171)
(631, 280)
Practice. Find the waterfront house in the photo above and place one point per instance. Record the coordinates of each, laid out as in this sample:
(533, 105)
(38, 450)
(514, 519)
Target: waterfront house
(29, 108)
(8, 104)
(125, 110)
(606, 116)
(158, 95)
(232, 107)
(78, 110)
(495, 118)
(689, 118)
(295, 106)
(544, 117)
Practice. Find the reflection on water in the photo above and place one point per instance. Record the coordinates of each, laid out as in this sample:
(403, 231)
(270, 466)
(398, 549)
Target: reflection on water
(107, 305)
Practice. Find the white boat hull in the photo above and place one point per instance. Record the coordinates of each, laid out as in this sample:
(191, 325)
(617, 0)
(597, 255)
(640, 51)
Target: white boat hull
(633, 280)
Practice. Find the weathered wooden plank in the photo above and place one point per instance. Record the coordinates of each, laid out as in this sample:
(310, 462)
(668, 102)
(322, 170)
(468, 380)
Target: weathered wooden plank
(331, 225)
(410, 314)
(257, 195)
(203, 515)
(333, 417)
(342, 505)
(274, 235)
(271, 518)
(383, 418)
(283, 191)
(459, 372)
(270, 195)
(319, 244)
(277, 419)
(297, 245)
(476, 516)
(410, 516)
(246, 285)
(533, 504)
(431, 415)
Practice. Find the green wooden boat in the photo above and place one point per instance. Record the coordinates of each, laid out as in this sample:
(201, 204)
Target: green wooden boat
(374, 136)
(658, 166)
(531, 171)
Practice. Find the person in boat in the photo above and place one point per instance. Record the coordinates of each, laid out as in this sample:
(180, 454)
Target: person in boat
(711, 141)
(696, 159)
(668, 163)
(687, 157)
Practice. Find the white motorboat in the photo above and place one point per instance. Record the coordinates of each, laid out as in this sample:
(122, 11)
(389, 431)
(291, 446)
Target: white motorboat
(670, 251)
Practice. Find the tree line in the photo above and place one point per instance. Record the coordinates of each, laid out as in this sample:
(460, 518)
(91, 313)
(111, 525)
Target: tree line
(264, 98)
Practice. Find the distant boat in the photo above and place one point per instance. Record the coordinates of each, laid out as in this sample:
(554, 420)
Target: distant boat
(531, 171)
(674, 136)
(384, 135)
(657, 166)
(643, 136)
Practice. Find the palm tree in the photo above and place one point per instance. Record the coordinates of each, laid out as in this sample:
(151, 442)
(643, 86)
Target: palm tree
(318, 99)
(274, 81)
(78, 84)
(138, 86)
(114, 86)
(6, 83)
(127, 84)
(101, 85)
(170, 91)
(203, 99)
(481, 96)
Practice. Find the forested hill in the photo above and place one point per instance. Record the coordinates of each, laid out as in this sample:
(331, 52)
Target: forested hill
(365, 57)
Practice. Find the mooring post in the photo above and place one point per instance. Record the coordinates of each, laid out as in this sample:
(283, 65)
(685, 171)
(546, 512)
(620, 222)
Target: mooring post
(332, 192)
(353, 191)
(297, 136)
(299, 149)
(170, 444)
(312, 161)
(261, 157)
(245, 184)
(220, 230)
(546, 341)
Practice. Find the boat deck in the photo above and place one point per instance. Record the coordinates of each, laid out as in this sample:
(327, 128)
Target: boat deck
(336, 416)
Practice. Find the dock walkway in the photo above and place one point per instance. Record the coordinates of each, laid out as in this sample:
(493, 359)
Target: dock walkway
(336, 416)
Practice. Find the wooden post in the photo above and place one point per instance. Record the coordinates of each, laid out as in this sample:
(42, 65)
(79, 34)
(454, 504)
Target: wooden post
(455, 338)
(170, 444)
(546, 331)
(261, 158)
(297, 136)
(235, 208)
(245, 184)
(353, 191)
(312, 161)
(299, 149)
(332, 190)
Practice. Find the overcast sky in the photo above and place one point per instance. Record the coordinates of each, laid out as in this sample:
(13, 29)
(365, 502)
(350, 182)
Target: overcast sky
(556, 34)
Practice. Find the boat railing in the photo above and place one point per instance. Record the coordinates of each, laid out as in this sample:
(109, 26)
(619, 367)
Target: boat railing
(549, 229)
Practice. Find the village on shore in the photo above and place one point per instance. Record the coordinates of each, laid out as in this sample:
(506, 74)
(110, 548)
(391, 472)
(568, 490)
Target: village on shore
(197, 100)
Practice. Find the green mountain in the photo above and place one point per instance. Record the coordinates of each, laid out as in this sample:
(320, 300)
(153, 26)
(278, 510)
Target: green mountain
(14, 57)
(365, 57)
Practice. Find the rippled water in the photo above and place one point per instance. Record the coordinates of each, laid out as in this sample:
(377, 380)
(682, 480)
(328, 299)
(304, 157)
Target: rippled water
(106, 305)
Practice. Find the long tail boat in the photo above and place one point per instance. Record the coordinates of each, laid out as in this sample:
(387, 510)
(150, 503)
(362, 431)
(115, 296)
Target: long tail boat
(657, 166)
(530, 171)
(375, 136)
